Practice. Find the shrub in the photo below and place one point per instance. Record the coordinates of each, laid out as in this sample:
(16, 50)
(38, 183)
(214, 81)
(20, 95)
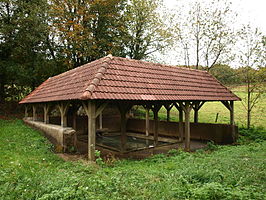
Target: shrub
(254, 134)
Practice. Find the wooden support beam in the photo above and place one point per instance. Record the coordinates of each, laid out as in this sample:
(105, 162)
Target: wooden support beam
(90, 109)
(34, 114)
(232, 121)
(74, 116)
(196, 106)
(26, 111)
(46, 108)
(155, 110)
(99, 112)
(101, 120)
(168, 108)
(63, 108)
(187, 106)
(91, 129)
(230, 106)
(227, 105)
(147, 124)
(180, 123)
(232, 113)
(100, 109)
(123, 108)
(123, 130)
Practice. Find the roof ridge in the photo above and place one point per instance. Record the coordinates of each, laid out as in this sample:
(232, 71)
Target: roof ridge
(76, 68)
(159, 64)
(97, 78)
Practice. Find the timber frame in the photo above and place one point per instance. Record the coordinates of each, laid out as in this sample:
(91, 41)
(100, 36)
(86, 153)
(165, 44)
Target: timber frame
(94, 109)
(126, 82)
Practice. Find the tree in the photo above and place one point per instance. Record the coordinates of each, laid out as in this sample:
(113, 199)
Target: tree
(146, 29)
(253, 67)
(87, 30)
(205, 33)
(225, 74)
(23, 45)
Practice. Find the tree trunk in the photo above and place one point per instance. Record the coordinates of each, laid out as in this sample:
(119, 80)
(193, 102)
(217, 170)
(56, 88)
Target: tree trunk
(249, 106)
(2, 89)
(248, 118)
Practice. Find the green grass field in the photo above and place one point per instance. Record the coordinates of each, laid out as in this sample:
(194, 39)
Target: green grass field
(30, 170)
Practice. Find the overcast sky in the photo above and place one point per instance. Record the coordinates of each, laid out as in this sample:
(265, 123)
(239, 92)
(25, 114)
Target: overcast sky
(249, 11)
(253, 11)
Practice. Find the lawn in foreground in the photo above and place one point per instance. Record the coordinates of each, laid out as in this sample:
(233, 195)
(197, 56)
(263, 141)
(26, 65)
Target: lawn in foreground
(29, 170)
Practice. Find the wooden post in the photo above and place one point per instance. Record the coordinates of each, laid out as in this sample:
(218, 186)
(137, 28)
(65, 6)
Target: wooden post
(147, 121)
(26, 111)
(180, 125)
(196, 107)
(63, 107)
(156, 109)
(92, 113)
(187, 127)
(187, 108)
(168, 115)
(34, 115)
(155, 128)
(180, 122)
(168, 108)
(101, 120)
(230, 107)
(46, 113)
(74, 115)
(91, 130)
(232, 120)
(123, 108)
(196, 116)
(123, 130)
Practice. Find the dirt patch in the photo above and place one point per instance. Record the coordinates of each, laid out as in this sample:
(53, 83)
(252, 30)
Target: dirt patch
(4, 117)
(72, 157)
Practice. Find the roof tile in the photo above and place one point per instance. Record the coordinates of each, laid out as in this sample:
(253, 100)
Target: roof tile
(128, 79)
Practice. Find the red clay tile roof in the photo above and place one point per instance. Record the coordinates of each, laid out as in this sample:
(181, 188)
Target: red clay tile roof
(127, 79)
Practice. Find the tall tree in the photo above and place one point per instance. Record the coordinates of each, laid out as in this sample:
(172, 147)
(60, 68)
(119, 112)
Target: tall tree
(87, 30)
(23, 39)
(204, 32)
(146, 29)
(253, 68)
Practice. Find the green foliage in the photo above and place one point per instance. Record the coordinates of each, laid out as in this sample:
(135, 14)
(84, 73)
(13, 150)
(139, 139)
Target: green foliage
(42, 38)
(146, 30)
(98, 158)
(253, 134)
(211, 146)
(24, 47)
(225, 74)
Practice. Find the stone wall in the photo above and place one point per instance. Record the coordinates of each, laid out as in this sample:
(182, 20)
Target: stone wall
(63, 136)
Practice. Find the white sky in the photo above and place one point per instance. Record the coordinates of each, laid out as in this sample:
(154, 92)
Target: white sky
(253, 11)
(248, 11)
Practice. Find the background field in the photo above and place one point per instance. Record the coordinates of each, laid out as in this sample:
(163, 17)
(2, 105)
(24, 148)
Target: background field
(209, 111)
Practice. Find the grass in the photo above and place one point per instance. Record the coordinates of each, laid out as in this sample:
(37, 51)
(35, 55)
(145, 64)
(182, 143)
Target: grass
(30, 170)
(208, 112)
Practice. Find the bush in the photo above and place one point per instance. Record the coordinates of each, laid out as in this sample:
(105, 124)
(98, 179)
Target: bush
(254, 134)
